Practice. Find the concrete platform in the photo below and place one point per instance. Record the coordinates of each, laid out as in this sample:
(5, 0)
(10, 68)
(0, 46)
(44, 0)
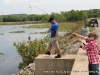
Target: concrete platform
(66, 65)
(48, 65)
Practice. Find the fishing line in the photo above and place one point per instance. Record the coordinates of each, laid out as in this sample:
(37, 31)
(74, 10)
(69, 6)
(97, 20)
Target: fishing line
(47, 13)
(43, 35)
(38, 8)
(41, 10)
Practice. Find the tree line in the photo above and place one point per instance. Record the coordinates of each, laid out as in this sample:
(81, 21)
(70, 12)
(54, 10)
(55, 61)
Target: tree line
(73, 15)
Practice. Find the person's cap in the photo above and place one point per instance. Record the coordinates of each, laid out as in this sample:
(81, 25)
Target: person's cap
(50, 19)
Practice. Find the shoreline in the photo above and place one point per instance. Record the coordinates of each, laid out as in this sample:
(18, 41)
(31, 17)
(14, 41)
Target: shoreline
(31, 22)
(26, 22)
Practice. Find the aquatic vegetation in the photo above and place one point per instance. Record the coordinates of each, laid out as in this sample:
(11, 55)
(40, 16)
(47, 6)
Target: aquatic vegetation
(1, 33)
(62, 26)
(38, 32)
(21, 31)
(1, 53)
(37, 26)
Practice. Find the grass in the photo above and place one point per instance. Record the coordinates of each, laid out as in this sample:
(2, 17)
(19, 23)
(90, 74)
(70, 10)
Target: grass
(1, 53)
(91, 28)
(14, 23)
(88, 19)
(21, 31)
(63, 27)
(38, 32)
(37, 26)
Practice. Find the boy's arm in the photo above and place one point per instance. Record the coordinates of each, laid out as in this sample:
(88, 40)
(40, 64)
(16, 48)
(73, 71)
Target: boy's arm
(78, 36)
(82, 44)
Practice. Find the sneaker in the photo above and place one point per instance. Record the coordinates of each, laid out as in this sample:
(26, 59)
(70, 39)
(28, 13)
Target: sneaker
(48, 53)
(58, 56)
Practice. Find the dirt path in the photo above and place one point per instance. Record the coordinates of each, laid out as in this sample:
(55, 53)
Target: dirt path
(98, 31)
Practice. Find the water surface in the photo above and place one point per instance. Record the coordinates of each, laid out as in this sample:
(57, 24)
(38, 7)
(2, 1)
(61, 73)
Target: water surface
(10, 60)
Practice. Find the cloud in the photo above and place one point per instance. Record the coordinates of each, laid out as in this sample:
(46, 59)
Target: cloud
(14, 1)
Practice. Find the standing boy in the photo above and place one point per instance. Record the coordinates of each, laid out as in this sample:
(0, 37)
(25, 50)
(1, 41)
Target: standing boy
(54, 36)
(91, 50)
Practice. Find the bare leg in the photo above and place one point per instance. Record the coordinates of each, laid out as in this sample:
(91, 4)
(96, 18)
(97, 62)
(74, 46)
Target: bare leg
(58, 55)
(58, 50)
(49, 48)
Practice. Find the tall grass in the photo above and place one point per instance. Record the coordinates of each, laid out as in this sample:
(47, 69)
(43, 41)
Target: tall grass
(63, 27)
(14, 23)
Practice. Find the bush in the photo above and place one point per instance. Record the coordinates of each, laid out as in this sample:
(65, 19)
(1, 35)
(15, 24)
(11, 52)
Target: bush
(30, 49)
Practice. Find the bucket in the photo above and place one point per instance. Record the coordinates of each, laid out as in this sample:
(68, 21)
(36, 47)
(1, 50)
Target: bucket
(84, 31)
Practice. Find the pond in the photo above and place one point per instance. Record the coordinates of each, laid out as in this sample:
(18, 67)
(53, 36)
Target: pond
(10, 60)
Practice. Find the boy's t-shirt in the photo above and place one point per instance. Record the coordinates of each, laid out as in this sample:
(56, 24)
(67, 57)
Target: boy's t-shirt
(92, 51)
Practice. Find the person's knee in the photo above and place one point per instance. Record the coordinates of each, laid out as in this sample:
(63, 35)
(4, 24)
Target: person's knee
(50, 45)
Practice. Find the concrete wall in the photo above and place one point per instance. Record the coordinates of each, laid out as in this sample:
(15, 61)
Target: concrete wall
(48, 65)
(80, 66)
(66, 65)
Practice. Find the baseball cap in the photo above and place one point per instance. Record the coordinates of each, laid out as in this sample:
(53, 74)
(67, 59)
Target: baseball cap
(50, 19)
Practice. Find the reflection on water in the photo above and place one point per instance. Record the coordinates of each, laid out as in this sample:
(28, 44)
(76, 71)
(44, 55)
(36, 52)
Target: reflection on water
(10, 60)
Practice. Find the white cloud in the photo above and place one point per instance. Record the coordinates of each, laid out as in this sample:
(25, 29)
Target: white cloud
(14, 1)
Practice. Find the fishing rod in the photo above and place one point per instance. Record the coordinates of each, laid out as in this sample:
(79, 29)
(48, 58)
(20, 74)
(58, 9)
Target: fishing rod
(47, 13)
(41, 10)
(38, 8)
(60, 23)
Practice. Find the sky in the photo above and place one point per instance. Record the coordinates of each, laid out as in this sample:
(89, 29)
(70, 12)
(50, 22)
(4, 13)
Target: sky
(49, 6)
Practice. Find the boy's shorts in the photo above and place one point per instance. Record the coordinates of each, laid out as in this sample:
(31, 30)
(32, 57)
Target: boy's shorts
(54, 44)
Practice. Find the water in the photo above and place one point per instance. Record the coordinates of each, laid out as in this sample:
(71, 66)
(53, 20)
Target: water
(10, 60)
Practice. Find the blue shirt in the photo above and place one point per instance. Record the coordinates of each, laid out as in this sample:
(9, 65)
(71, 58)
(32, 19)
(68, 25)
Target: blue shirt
(54, 28)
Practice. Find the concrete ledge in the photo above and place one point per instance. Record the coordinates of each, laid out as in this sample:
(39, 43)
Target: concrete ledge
(48, 65)
(44, 56)
(80, 66)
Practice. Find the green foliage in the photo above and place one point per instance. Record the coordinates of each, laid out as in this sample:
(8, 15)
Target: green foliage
(38, 32)
(37, 26)
(63, 16)
(0, 19)
(91, 28)
(30, 49)
(62, 26)
(73, 15)
(1, 53)
(93, 13)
